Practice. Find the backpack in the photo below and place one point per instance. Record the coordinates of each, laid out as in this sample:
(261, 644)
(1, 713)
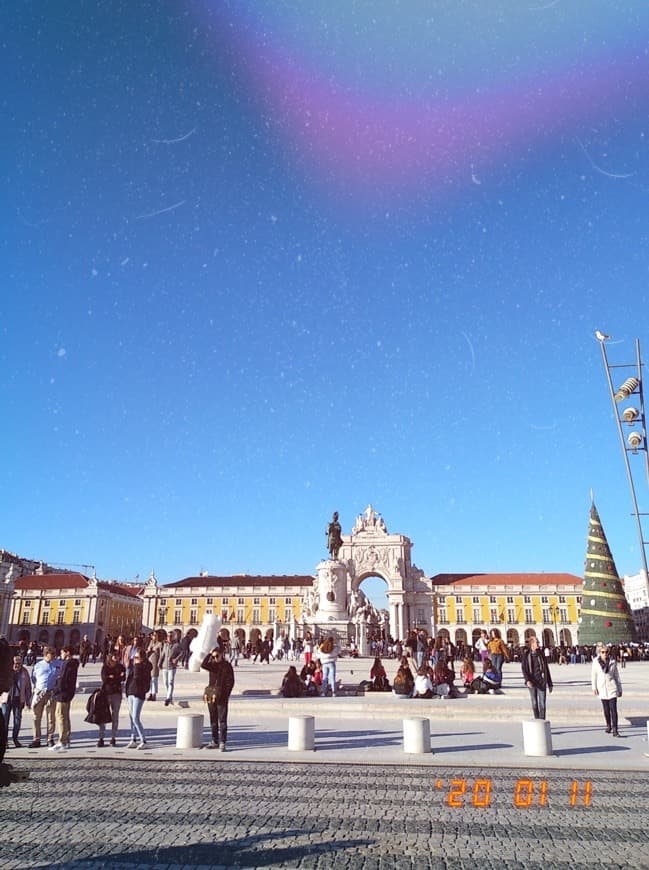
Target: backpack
(98, 707)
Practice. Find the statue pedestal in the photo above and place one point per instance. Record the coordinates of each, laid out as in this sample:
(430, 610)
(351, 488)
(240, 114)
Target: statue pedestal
(332, 591)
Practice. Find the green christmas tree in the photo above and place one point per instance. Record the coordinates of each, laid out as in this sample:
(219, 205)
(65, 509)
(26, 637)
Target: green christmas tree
(605, 612)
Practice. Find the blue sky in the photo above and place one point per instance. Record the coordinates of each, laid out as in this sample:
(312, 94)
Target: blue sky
(262, 263)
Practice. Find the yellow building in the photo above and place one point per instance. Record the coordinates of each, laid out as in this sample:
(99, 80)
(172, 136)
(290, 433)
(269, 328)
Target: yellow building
(61, 608)
(250, 607)
(519, 605)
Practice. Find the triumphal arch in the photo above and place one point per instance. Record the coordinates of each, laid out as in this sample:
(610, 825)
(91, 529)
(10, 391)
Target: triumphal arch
(337, 604)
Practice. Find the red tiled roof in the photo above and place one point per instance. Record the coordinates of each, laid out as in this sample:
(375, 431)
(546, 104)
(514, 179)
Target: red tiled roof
(119, 588)
(541, 579)
(70, 580)
(244, 580)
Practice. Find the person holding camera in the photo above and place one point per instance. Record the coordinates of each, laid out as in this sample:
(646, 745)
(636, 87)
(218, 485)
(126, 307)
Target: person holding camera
(217, 694)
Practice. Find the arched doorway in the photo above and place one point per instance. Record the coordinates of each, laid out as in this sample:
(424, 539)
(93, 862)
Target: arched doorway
(23, 635)
(512, 637)
(44, 636)
(59, 638)
(566, 636)
(241, 634)
(529, 632)
(75, 637)
(548, 637)
(460, 638)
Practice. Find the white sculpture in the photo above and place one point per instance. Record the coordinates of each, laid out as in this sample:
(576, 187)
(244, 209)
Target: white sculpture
(204, 642)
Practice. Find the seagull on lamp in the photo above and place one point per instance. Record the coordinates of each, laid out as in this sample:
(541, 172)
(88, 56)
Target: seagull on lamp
(601, 336)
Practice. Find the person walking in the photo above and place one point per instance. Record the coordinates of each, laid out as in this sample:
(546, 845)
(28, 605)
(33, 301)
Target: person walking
(44, 675)
(328, 653)
(20, 696)
(217, 695)
(137, 685)
(64, 691)
(498, 652)
(536, 674)
(607, 684)
(169, 657)
(113, 675)
(153, 653)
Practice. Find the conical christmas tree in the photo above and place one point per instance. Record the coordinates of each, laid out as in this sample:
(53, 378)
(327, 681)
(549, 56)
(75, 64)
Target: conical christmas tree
(605, 612)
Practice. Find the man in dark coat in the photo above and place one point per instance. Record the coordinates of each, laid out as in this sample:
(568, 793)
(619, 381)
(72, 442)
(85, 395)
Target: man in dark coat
(217, 695)
(536, 674)
(66, 686)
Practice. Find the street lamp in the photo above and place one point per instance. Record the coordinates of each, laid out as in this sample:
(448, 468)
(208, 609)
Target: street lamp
(632, 415)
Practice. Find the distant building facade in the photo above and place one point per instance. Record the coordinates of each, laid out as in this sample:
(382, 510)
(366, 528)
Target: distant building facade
(519, 605)
(636, 592)
(60, 608)
(251, 607)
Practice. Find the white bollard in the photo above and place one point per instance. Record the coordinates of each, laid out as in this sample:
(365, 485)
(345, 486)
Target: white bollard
(301, 733)
(416, 736)
(189, 731)
(537, 737)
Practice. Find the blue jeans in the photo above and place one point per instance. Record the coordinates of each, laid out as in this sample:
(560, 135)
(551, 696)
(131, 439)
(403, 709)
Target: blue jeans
(497, 660)
(134, 709)
(329, 677)
(169, 678)
(537, 697)
(153, 688)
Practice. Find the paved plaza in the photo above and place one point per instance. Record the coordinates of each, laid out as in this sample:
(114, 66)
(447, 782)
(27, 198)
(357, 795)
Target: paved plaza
(358, 800)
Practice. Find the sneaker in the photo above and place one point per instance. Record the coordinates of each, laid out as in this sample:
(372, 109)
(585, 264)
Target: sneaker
(212, 745)
(131, 745)
(113, 742)
(50, 742)
(35, 744)
(222, 747)
(54, 747)
(100, 742)
(64, 747)
(141, 745)
(168, 701)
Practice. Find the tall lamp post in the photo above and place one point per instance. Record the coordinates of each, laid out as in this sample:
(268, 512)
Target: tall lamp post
(629, 410)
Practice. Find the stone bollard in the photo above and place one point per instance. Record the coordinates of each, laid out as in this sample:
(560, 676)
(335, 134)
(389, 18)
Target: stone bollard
(537, 737)
(301, 731)
(189, 731)
(416, 736)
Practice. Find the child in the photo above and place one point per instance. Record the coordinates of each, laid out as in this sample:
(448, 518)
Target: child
(467, 673)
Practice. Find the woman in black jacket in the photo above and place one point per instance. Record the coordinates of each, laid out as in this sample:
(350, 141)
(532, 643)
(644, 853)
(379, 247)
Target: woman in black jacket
(137, 685)
(113, 675)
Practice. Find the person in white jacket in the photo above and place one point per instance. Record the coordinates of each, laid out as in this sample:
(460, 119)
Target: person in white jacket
(607, 684)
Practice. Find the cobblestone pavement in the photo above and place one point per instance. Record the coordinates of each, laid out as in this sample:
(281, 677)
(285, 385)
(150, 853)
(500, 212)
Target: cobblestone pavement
(87, 813)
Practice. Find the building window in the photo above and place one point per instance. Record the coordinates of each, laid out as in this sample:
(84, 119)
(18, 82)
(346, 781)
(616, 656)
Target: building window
(28, 604)
(562, 599)
(76, 617)
(477, 614)
(510, 599)
(162, 615)
(241, 617)
(25, 618)
(255, 601)
(527, 599)
(272, 601)
(177, 617)
(511, 614)
(241, 601)
(288, 602)
(272, 614)
(60, 617)
(476, 599)
(458, 599)
(579, 599)
(546, 615)
(442, 599)
(163, 602)
(563, 614)
(421, 616)
(194, 602)
(255, 615)
(210, 602)
(529, 617)
(193, 617)
(544, 599)
(224, 602)
(77, 602)
(443, 619)
(46, 603)
(460, 614)
(492, 599)
(493, 615)
(178, 601)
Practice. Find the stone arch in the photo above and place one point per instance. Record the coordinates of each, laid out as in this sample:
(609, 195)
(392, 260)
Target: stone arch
(529, 632)
(23, 635)
(44, 636)
(548, 638)
(566, 636)
(59, 638)
(241, 634)
(460, 637)
(476, 633)
(75, 637)
(512, 637)
(255, 636)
